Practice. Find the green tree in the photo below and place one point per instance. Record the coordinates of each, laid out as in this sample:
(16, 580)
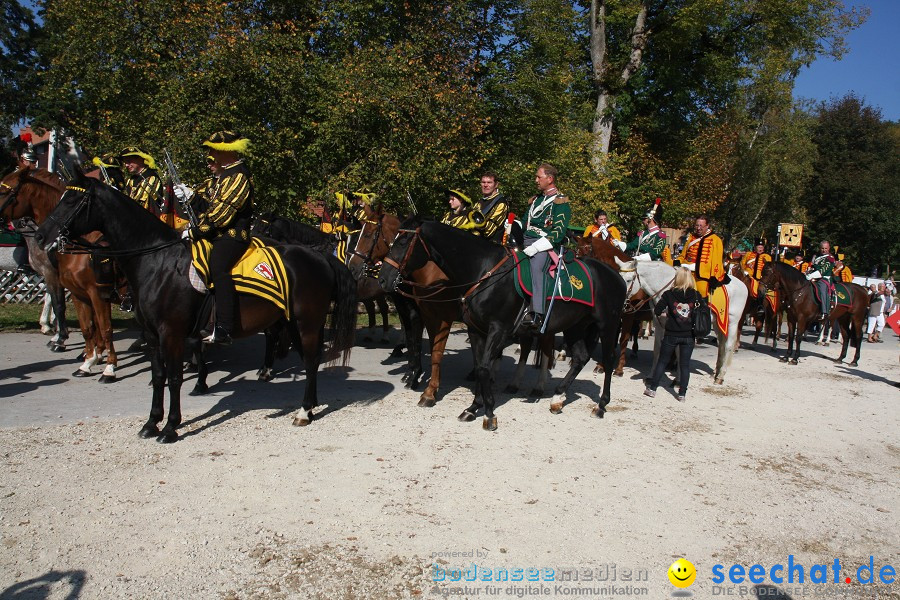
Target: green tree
(852, 198)
(18, 61)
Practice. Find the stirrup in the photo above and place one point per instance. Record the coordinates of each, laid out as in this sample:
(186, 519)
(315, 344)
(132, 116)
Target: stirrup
(218, 336)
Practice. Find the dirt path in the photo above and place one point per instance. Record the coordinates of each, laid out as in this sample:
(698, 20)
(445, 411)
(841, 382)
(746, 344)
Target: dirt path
(378, 497)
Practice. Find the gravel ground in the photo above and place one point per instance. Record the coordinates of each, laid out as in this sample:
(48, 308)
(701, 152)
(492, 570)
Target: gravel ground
(378, 497)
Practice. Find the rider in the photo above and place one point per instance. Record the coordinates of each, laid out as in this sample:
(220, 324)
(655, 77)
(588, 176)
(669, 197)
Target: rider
(651, 243)
(143, 184)
(702, 254)
(820, 273)
(752, 264)
(458, 215)
(545, 228)
(226, 222)
(494, 208)
(113, 167)
(841, 271)
(602, 227)
(27, 159)
(800, 264)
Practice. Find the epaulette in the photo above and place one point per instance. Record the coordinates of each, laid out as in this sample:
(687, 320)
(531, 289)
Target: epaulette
(561, 200)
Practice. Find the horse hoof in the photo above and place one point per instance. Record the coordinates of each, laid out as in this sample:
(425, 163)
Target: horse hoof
(301, 422)
(199, 390)
(556, 408)
(489, 424)
(825, 344)
(168, 438)
(80, 373)
(466, 417)
(794, 361)
(853, 364)
(107, 379)
(266, 376)
(405, 376)
(148, 431)
(838, 361)
(719, 381)
(783, 359)
(425, 402)
(57, 348)
(598, 411)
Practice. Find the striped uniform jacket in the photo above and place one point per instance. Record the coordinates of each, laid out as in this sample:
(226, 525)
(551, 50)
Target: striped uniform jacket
(229, 199)
(753, 264)
(146, 188)
(548, 216)
(456, 220)
(495, 217)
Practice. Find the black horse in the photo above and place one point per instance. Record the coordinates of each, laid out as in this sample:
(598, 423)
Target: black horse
(169, 309)
(484, 272)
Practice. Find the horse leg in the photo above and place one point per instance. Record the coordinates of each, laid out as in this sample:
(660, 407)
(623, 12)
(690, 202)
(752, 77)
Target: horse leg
(799, 331)
(545, 351)
(439, 332)
(411, 321)
(477, 340)
(580, 355)
(103, 312)
(845, 339)
(309, 338)
(382, 304)
(200, 387)
(172, 353)
(370, 311)
(58, 302)
(791, 326)
(46, 314)
(158, 381)
(88, 332)
(857, 329)
(525, 343)
(266, 372)
(490, 347)
(629, 325)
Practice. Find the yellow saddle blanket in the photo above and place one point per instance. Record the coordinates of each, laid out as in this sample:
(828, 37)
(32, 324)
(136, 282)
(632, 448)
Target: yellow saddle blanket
(718, 302)
(260, 272)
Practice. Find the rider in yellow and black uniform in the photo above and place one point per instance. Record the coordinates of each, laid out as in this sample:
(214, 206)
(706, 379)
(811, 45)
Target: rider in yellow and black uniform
(494, 208)
(142, 182)
(226, 222)
(458, 215)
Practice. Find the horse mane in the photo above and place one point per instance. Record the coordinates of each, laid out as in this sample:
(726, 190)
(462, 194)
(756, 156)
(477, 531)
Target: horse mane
(46, 177)
(788, 272)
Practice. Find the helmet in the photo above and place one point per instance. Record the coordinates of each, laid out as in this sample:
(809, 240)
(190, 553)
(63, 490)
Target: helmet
(655, 212)
(29, 155)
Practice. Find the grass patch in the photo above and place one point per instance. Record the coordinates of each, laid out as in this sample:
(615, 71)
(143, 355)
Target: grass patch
(24, 317)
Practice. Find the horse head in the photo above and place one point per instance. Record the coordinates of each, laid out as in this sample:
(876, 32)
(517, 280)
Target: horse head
(373, 242)
(582, 246)
(72, 216)
(407, 253)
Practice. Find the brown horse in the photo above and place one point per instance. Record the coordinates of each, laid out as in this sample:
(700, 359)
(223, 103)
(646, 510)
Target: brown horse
(802, 309)
(637, 310)
(35, 193)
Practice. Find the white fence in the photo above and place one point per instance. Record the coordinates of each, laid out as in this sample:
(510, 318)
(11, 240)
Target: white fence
(17, 288)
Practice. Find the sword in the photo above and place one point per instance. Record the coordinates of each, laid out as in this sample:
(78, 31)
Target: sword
(559, 269)
(176, 181)
(412, 204)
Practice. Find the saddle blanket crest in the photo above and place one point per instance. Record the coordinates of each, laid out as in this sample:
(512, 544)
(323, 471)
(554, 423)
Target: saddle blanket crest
(575, 284)
(260, 272)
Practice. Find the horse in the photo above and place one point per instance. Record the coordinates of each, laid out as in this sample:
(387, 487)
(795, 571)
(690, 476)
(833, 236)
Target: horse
(656, 277)
(638, 310)
(288, 231)
(33, 193)
(802, 309)
(490, 305)
(157, 264)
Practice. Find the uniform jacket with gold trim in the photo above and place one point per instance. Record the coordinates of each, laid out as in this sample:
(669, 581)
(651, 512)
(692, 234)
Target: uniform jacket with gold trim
(548, 216)
(229, 199)
(706, 253)
(753, 264)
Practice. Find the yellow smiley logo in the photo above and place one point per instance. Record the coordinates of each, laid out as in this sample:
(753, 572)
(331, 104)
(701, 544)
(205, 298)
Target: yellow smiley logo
(576, 283)
(682, 573)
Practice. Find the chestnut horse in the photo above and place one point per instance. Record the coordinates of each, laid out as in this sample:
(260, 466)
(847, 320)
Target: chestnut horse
(35, 193)
(802, 309)
(762, 319)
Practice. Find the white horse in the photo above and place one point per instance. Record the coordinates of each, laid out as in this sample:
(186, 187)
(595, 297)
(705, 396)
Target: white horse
(656, 277)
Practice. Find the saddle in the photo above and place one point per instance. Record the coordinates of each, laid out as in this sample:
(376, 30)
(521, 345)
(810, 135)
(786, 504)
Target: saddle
(260, 272)
(575, 283)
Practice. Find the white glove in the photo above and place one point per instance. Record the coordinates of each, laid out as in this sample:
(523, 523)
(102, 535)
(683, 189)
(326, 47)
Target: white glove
(619, 244)
(689, 266)
(814, 275)
(644, 256)
(182, 192)
(186, 234)
(541, 245)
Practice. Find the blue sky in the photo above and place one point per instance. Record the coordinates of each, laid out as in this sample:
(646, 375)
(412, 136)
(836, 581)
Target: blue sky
(870, 68)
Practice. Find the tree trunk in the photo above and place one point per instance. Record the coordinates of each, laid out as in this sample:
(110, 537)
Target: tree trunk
(603, 122)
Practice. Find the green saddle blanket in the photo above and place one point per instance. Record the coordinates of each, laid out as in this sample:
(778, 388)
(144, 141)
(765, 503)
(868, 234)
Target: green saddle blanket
(575, 284)
(843, 294)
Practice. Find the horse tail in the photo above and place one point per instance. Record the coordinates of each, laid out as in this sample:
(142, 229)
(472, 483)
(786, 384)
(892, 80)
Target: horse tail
(343, 319)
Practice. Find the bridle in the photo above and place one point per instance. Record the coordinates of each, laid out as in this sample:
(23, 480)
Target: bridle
(11, 196)
(417, 238)
(367, 256)
(62, 237)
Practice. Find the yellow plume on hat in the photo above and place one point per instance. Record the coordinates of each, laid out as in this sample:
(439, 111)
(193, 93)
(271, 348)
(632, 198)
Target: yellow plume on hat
(133, 151)
(227, 141)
